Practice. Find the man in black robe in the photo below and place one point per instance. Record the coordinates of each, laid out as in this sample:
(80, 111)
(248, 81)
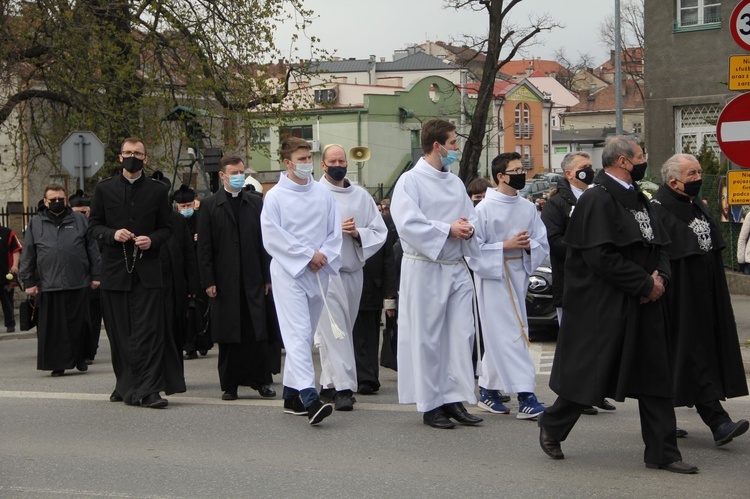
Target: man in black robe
(579, 174)
(234, 271)
(379, 283)
(130, 220)
(612, 341)
(705, 350)
(80, 203)
(59, 264)
(179, 270)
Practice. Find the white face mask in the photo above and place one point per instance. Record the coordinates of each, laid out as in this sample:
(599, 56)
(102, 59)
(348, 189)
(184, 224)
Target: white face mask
(303, 170)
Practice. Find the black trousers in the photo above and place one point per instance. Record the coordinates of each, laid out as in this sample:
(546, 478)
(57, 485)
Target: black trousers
(713, 414)
(658, 424)
(366, 338)
(143, 360)
(62, 329)
(6, 300)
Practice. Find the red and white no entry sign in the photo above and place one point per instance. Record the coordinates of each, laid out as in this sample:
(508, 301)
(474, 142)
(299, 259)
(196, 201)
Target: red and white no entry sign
(739, 24)
(733, 130)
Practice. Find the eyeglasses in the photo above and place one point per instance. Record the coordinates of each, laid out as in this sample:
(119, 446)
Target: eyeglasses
(136, 154)
(52, 200)
(515, 172)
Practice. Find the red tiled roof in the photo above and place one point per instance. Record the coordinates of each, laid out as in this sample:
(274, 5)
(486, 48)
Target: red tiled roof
(529, 66)
(500, 89)
(603, 99)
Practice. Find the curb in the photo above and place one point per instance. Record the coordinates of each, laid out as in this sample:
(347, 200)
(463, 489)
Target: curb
(18, 336)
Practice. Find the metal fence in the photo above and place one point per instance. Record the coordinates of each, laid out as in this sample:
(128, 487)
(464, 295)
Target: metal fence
(16, 219)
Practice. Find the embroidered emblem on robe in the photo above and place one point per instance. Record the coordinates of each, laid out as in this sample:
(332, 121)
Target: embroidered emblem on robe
(703, 232)
(644, 223)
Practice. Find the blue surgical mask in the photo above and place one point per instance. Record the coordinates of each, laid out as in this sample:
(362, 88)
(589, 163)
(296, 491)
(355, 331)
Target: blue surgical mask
(237, 181)
(187, 212)
(448, 159)
(337, 173)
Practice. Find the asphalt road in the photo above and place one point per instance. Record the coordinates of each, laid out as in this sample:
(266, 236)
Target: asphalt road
(61, 437)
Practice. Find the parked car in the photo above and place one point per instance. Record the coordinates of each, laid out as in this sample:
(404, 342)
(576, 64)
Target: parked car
(534, 188)
(540, 310)
(552, 178)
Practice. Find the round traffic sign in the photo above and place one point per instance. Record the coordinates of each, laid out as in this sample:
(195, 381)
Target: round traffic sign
(739, 24)
(733, 130)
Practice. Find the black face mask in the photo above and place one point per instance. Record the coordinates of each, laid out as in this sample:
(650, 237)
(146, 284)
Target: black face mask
(638, 171)
(132, 164)
(337, 173)
(585, 175)
(693, 188)
(476, 201)
(57, 207)
(517, 181)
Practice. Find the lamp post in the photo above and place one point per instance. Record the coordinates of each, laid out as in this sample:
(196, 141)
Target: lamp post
(618, 70)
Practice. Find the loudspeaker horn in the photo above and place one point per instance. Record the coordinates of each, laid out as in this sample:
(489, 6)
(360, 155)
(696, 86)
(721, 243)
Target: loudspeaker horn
(359, 153)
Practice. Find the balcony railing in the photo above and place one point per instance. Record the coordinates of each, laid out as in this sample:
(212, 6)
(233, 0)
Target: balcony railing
(525, 130)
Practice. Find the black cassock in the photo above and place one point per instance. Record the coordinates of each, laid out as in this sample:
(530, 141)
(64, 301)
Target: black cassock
(705, 350)
(143, 360)
(609, 345)
(180, 275)
(232, 258)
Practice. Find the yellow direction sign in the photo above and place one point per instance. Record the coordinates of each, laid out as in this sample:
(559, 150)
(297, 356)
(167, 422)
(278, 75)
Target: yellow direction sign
(738, 187)
(739, 72)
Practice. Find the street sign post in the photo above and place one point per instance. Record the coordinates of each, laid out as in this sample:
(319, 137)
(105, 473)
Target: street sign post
(82, 155)
(739, 24)
(733, 130)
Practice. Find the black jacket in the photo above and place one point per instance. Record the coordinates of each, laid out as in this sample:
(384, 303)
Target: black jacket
(227, 257)
(555, 216)
(379, 276)
(143, 209)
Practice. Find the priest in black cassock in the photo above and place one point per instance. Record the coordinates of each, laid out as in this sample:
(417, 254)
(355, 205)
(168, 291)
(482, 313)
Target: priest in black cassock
(130, 220)
(179, 270)
(705, 350)
(234, 271)
(612, 340)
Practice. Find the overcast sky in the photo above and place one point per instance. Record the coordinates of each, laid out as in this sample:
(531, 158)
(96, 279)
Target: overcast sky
(358, 28)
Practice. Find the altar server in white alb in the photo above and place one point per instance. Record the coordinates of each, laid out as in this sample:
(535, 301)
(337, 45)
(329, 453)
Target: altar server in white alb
(435, 221)
(364, 232)
(302, 232)
(513, 241)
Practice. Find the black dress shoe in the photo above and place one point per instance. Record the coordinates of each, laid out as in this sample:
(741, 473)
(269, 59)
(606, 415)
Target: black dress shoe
(154, 401)
(591, 411)
(266, 391)
(191, 355)
(82, 366)
(89, 361)
(229, 395)
(680, 433)
(115, 397)
(727, 431)
(607, 406)
(675, 467)
(458, 412)
(550, 446)
(366, 389)
(437, 419)
(327, 394)
(11, 329)
(57, 373)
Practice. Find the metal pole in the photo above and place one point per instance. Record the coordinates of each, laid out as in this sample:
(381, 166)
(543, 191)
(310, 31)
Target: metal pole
(618, 70)
(82, 178)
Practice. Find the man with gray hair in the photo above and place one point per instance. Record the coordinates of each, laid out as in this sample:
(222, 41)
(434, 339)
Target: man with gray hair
(579, 175)
(613, 339)
(705, 351)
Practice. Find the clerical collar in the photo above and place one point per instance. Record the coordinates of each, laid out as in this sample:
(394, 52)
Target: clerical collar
(230, 193)
(621, 182)
(132, 180)
(576, 191)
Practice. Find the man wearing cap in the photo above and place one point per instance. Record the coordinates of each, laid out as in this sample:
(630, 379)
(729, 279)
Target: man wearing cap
(80, 203)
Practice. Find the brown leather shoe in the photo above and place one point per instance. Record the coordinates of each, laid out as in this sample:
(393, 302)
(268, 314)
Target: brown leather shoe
(550, 446)
(675, 467)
